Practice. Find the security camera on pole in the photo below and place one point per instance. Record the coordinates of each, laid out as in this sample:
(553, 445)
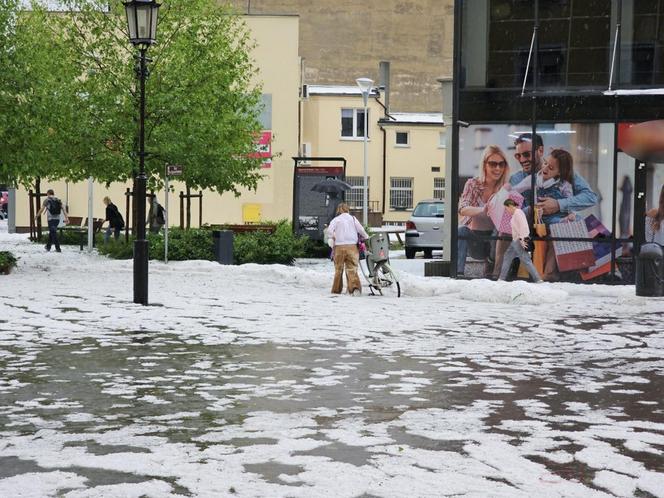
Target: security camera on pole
(365, 85)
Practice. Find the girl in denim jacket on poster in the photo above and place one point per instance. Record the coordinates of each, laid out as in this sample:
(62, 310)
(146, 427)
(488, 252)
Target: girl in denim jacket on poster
(554, 180)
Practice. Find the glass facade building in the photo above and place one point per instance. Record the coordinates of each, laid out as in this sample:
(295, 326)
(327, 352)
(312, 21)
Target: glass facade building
(575, 75)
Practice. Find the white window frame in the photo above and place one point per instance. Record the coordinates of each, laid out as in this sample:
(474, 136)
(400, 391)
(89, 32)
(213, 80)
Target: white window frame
(396, 134)
(439, 188)
(401, 189)
(354, 136)
(355, 196)
(442, 139)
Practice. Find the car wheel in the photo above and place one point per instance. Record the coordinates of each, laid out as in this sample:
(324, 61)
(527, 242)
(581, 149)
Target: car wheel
(410, 252)
(428, 253)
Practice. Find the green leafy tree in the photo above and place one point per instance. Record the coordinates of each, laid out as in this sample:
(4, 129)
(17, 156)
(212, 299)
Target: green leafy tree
(68, 95)
(202, 99)
(36, 89)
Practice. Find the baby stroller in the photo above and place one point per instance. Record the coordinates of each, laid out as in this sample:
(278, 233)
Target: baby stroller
(376, 267)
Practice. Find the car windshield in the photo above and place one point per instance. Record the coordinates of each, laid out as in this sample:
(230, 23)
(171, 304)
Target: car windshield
(429, 209)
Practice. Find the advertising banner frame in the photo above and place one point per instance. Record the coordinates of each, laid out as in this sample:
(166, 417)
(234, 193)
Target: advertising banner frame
(306, 163)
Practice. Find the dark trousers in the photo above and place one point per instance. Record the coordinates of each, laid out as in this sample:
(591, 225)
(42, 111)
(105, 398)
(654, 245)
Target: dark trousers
(53, 234)
(112, 230)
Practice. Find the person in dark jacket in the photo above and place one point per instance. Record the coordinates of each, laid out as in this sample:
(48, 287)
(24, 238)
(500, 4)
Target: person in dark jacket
(156, 216)
(115, 221)
(54, 209)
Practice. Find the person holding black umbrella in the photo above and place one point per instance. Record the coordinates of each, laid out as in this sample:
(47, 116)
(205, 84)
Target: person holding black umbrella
(334, 189)
(345, 232)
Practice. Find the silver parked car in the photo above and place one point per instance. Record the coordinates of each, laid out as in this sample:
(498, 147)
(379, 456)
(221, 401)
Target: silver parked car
(424, 229)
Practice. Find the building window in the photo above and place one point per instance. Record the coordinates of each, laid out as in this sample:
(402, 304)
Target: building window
(402, 139)
(401, 193)
(352, 123)
(355, 196)
(442, 139)
(439, 188)
(482, 135)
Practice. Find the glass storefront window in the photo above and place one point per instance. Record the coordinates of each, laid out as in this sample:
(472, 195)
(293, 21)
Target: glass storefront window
(574, 43)
(495, 42)
(574, 190)
(642, 43)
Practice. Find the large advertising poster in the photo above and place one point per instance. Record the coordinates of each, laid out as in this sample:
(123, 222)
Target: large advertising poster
(562, 178)
(313, 210)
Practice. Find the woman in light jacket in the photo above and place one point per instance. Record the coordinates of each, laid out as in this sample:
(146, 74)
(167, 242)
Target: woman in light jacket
(345, 232)
(655, 222)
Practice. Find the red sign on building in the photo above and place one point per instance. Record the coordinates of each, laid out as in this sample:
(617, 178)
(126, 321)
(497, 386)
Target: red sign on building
(264, 149)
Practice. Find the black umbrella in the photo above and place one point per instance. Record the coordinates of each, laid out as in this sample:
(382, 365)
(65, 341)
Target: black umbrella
(331, 186)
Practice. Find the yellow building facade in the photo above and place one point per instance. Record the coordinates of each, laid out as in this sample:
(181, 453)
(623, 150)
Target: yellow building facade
(406, 151)
(276, 57)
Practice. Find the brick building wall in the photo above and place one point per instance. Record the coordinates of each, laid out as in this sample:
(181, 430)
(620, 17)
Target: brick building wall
(342, 40)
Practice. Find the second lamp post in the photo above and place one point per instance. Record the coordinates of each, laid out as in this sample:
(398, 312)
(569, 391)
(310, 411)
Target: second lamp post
(365, 85)
(142, 26)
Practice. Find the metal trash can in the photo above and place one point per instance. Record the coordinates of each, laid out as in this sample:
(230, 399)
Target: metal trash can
(650, 271)
(223, 246)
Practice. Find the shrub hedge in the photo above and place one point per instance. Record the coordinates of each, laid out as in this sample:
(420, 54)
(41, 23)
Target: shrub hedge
(7, 262)
(282, 246)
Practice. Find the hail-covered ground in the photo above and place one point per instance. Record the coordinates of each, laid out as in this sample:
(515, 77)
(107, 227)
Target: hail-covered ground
(253, 381)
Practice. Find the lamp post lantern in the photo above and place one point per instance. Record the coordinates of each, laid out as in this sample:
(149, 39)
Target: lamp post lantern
(365, 85)
(142, 27)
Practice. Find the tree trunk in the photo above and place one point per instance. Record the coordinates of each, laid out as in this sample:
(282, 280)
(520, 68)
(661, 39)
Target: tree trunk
(38, 207)
(188, 207)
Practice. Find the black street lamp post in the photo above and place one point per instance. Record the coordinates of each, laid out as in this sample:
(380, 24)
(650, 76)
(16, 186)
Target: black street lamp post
(142, 24)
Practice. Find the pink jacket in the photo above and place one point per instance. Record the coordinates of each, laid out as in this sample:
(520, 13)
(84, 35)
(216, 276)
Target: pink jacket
(519, 223)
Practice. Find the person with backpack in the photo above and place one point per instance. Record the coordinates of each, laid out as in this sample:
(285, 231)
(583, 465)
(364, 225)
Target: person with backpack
(115, 220)
(54, 209)
(156, 216)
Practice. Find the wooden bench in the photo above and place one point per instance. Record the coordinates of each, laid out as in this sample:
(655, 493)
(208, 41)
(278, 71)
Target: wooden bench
(77, 225)
(75, 221)
(246, 228)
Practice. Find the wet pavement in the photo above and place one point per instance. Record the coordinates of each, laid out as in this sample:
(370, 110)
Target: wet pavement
(254, 382)
(128, 407)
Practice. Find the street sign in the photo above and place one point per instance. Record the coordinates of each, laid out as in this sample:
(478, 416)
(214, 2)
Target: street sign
(174, 169)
